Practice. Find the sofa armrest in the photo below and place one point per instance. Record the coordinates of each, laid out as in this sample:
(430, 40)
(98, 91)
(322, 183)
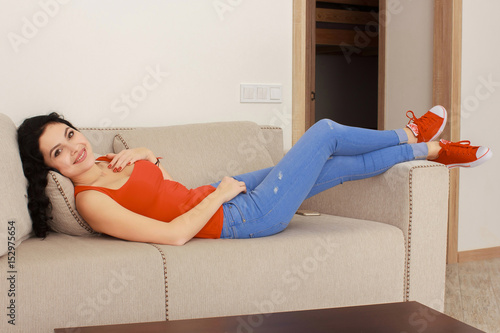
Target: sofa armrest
(412, 196)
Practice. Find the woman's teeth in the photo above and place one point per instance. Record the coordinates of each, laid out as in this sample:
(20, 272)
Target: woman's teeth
(80, 157)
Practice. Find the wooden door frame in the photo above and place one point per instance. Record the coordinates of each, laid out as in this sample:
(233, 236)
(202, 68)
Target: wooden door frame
(446, 91)
(446, 82)
(303, 68)
(302, 73)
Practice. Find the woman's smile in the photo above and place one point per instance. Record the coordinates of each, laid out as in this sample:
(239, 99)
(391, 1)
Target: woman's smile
(81, 157)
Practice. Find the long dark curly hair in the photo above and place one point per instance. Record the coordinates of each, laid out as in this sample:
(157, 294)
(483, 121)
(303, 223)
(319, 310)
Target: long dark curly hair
(35, 170)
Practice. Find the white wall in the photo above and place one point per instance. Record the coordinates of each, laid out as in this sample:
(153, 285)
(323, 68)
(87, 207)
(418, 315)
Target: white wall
(409, 57)
(479, 225)
(92, 60)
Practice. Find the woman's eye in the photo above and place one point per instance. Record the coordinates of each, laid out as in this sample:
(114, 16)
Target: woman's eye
(70, 134)
(57, 152)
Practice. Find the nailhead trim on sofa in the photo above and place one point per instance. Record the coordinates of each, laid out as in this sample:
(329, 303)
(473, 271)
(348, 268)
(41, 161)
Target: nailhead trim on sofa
(270, 127)
(106, 129)
(165, 277)
(408, 253)
(83, 224)
(119, 136)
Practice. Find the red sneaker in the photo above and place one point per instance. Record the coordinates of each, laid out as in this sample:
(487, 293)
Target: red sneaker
(462, 154)
(430, 125)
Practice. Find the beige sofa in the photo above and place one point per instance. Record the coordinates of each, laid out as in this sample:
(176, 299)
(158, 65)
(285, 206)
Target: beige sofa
(378, 240)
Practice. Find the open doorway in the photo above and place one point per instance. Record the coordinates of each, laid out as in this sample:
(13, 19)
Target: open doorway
(346, 62)
(347, 81)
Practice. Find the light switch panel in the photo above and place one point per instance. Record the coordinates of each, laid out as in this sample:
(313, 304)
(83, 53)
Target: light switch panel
(260, 93)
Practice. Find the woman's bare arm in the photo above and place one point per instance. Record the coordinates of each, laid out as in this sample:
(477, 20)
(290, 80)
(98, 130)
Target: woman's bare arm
(106, 216)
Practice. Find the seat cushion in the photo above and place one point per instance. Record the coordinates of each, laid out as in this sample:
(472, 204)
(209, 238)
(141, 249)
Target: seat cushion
(70, 281)
(317, 262)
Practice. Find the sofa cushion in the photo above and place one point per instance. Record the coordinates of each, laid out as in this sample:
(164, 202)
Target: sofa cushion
(13, 197)
(68, 281)
(317, 262)
(199, 154)
(65, 218)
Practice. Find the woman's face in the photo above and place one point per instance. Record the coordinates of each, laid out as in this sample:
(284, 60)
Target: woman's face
(66, 150)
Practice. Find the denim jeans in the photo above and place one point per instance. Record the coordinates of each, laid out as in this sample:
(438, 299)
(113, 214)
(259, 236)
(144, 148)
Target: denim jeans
(326, 155)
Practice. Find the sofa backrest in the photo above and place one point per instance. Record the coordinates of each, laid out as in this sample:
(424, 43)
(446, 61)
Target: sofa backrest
(198, 154)
(15, 221)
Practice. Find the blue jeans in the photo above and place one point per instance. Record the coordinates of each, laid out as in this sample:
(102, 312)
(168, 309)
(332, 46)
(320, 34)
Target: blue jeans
(326, 155)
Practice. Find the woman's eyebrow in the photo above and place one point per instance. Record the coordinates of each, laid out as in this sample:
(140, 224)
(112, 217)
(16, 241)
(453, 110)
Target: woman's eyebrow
(56, 146)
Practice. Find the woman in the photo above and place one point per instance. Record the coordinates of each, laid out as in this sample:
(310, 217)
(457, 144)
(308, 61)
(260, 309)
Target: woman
(129, 195)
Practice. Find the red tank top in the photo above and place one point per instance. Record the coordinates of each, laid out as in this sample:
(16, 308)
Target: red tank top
(148, 194)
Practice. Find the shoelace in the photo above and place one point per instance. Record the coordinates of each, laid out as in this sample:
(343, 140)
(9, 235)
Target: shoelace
(460, 144)
(423, 122)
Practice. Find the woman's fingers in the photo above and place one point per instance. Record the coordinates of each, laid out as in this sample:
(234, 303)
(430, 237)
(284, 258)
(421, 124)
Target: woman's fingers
(128, 157)
(231, 187)
(121, 160)
(243, 186)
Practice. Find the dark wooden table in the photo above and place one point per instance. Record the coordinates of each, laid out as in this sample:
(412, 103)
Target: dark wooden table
(406, 317)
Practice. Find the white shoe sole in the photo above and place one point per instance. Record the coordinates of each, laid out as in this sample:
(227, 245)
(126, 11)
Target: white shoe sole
(486, 156)
(443, 125)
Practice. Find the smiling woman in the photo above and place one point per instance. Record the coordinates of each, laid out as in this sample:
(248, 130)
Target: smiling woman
(50, 142)
(129, 195)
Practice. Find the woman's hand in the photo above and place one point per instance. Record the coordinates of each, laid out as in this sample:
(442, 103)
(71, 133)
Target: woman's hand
(129, 156)
(229, 188)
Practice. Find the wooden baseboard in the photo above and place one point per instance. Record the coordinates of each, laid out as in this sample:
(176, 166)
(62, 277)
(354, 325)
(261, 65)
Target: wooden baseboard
(480, 254)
